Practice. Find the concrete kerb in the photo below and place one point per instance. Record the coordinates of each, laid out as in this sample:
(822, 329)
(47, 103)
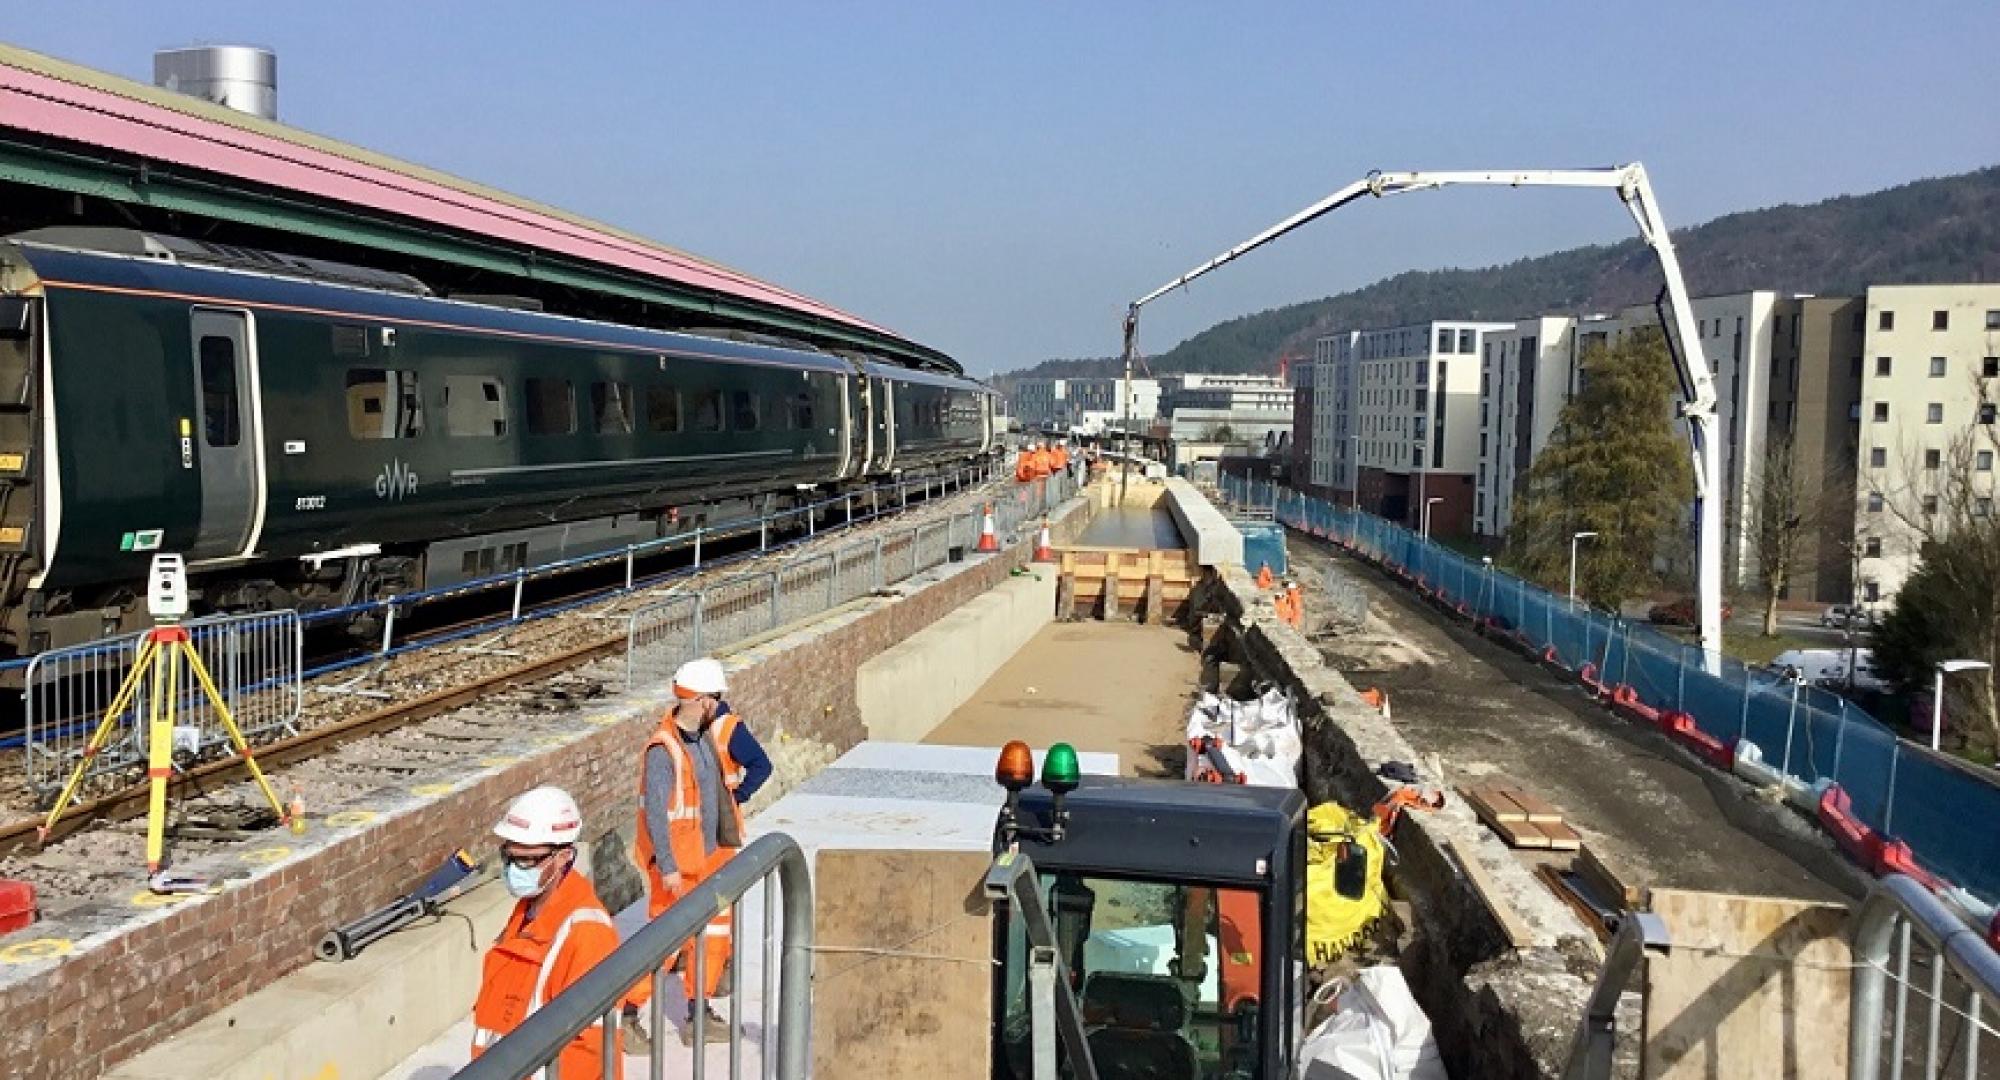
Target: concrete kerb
(338, 870)
(1498, 1010)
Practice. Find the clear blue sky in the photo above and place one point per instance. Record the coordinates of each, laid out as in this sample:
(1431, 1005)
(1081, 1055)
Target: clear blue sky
(999, 179)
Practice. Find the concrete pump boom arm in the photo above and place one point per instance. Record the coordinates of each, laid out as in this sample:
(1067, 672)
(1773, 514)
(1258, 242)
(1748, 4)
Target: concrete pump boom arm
(1697, 381)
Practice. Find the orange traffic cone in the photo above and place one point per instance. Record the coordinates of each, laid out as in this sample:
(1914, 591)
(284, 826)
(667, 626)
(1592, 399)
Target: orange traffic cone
(988, 542)
(1044, 552)
(1264, 575)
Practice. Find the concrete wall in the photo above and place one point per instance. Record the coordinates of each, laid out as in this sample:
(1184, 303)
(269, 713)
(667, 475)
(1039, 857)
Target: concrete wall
(92, 988)
(1214, 541)
(907, 691)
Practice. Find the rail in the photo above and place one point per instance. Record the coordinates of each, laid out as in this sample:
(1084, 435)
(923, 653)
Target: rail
(1963, 981)
(676, 628)
(596, 1000)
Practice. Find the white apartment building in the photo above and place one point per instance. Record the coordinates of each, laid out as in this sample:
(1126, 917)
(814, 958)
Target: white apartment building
(1255, 408)
(1402, 421)
(1035, 401)
(1331, 464)
(1930, 380)
(1526, 372)
(1087, 406)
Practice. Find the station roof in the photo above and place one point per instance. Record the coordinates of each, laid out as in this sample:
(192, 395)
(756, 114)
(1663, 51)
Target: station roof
(76, 129)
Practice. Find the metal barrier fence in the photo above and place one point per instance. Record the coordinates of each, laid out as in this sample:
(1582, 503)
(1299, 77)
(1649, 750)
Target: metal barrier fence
(596, 1000)
(254, 661)
(1943, 808)
(661, 636)
(1960, 980)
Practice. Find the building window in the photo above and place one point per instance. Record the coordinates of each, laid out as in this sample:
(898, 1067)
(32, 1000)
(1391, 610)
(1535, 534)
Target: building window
(551, 406)
(1465, 341)
(1417, 456)
(611, 407)
(1874, 502)
(1937, 367)
(1881, 412)
(1983, 461)
(1986, 410)
(1878, 458)
(475, 405)
(1885, 321)
(1874, 548)
(1933, 459)
(1444, 340)
(1982, 506)
(1882, 364)
(1871, 592)
(384, 404)
(1930, 505)
(1940, 320)
(1482, 448)
(1934, 413)
(1990, 367)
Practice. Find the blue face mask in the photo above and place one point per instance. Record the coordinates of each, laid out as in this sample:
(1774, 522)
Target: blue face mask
(523, 881)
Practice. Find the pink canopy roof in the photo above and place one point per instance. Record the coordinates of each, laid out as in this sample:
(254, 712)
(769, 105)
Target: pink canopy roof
(55, 99)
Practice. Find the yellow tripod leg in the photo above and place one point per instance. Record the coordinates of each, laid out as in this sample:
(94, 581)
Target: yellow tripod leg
(236, 738)
(160, 753)
(102, 735)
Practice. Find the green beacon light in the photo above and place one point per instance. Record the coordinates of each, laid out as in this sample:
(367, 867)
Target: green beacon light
(1060, 773)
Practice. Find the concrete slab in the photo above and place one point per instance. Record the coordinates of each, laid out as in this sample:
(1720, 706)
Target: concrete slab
(1214, 540)
(908, 689)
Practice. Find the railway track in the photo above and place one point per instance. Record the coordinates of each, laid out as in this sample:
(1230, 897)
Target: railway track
(448, 709)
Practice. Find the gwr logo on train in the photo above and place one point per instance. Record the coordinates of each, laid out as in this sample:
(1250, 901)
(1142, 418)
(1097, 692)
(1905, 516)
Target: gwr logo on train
(396, 481)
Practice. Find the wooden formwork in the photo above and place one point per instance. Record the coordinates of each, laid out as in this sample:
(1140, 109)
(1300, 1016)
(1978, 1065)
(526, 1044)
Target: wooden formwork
(1149, 584)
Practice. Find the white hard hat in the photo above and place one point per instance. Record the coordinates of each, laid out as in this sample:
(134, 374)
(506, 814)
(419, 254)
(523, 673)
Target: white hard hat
(546, 815)
(702, 676)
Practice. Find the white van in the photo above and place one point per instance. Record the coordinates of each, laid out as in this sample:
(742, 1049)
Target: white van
(1828, 667)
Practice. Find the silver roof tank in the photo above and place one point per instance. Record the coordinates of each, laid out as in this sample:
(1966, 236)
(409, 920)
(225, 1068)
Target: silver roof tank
(241, 77)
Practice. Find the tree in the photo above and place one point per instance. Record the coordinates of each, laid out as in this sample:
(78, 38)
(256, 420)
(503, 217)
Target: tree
(1613, 466)
(1949, 606)
(1218, 433)
(1786, 503)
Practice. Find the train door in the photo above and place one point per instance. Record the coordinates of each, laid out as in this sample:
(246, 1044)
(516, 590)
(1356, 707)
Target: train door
(227, 435)
(886, 406)
(846, 429)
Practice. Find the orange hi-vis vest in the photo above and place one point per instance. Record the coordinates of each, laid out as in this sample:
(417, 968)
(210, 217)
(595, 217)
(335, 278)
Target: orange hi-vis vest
(1024, 467)
(725, 730)
(1061, 458)
(532, 962)
(684, 806)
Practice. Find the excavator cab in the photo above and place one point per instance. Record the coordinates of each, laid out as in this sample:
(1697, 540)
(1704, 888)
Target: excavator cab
(1178, 911)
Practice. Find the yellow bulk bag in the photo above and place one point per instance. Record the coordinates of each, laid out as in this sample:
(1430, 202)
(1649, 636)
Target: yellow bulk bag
(1335, 922)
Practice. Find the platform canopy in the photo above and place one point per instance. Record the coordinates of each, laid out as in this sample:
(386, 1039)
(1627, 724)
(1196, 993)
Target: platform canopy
(70, 129)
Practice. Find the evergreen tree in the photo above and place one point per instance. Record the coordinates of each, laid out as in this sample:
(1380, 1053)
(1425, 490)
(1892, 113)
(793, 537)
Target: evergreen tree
(1614, 466)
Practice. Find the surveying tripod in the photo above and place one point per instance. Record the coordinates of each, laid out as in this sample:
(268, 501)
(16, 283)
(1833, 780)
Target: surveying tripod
(158, 666)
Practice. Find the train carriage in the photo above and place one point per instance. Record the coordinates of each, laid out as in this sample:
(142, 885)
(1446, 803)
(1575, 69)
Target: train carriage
(310, 434)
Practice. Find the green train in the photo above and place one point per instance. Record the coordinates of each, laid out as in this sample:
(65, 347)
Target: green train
(310, 434)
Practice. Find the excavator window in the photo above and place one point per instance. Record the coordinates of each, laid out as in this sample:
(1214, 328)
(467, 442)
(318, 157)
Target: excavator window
(1167, 976)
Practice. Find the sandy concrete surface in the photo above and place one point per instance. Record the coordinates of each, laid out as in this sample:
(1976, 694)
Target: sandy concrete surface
(1116, 687)
(1656, 818)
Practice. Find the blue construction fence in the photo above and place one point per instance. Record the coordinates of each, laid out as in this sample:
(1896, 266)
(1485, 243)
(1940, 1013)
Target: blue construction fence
(1948, 812)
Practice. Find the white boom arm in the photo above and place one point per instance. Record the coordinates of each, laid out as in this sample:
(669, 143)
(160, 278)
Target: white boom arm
(1697, 381)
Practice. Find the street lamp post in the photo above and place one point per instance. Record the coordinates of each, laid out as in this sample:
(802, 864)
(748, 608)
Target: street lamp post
(1574, 538)
(1485, 582)
(1947, 667)
(1354, 474)
(1428, 503)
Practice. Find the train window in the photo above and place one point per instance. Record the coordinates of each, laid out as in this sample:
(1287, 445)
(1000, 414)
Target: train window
(743, 411)
(663, 409)
(802, 410)
(220, 404)
(707, 411)
(475, 405)
(611, 404)
(384, 404)
(551, 406)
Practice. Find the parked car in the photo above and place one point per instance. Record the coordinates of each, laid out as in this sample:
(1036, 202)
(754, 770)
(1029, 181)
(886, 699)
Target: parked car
(1842, 616)
(1681, 612)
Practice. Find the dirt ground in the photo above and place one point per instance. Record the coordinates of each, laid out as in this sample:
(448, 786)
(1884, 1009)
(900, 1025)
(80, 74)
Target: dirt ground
(1488, 712)
(1112, 687)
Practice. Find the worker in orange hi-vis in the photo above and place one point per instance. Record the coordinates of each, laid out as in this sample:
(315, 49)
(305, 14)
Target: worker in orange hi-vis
(559, 930)
(1024, 464)
(1298, 603)
(1264, 575)
(1059, 458)
(1039, 462)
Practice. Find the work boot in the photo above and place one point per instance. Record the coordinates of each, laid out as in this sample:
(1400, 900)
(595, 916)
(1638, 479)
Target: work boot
(715, 1031)
(637, 1039)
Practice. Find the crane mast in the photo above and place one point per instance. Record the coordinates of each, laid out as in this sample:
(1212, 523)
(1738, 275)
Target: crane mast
(1698, 403)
